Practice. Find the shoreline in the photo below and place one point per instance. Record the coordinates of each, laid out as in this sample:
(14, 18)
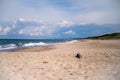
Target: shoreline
(22, 48)
(100, 60)
(47, 47)
(31, 45)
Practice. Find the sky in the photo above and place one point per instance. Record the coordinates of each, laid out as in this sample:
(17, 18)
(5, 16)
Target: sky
(58, 18)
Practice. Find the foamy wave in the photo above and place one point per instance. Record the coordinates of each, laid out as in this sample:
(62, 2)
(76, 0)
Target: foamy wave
(72, 41)
(20, 45)
(34, 44)
(8, 46)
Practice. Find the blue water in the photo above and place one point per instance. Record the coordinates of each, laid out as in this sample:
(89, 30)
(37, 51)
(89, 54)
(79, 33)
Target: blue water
(12, 44)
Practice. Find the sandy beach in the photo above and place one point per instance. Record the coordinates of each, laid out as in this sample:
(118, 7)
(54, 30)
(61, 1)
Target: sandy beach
(100, 60)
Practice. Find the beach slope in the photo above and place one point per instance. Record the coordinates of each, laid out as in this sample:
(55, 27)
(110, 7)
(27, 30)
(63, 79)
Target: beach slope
(99, 60)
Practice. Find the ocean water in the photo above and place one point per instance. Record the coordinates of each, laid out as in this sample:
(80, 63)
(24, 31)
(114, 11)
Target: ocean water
(13, 44)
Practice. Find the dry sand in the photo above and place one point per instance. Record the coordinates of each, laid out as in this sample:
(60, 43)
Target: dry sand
(100, 60)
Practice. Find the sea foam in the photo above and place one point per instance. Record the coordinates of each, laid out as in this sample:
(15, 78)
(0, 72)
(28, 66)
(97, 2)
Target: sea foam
(35, 44)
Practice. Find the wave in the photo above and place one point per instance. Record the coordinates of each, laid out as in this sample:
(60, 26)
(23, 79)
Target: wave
(72, 41)
(8, 47)
(20, 45)
(35, 44)
(13, 46)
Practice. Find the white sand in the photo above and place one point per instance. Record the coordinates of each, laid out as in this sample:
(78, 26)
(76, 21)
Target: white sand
(100, 60)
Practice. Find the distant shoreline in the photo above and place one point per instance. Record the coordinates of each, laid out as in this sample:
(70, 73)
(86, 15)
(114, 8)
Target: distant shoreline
(112, 36)
(17, 44)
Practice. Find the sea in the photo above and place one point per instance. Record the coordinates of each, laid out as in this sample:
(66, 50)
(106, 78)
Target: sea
(14, 44)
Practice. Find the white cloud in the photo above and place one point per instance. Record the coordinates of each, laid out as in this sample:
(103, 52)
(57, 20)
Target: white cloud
(7, 30)
(22, 19)
(37, 27)
(4, 31)
(45, 29)
(70, 32)
(30, 20)
(21, 31)
(66, 23)
(36, 31)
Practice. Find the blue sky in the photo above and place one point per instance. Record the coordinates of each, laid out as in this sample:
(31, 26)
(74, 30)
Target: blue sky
(58, 18)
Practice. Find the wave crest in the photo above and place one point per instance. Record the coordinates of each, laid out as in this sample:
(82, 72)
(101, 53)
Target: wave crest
(34, 44)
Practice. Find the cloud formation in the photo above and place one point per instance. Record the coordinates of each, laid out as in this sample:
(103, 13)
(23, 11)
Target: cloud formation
(23, 28)
(33, 27)
(70, 32)
(36, 31)
(4, 31)
(66, 23)
(58, 18)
